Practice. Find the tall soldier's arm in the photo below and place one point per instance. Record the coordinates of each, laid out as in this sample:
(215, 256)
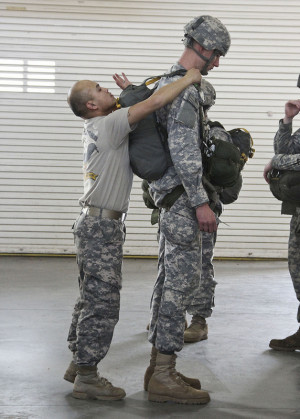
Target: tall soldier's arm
(184, 144)
(162, 96)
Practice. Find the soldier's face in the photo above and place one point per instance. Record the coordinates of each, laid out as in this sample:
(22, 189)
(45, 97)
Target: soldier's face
(102, 97)
(216, 60)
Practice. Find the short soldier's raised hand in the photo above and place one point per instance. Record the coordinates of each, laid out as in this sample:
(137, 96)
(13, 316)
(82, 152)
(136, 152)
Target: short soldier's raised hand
(122, 82)
(194, 75)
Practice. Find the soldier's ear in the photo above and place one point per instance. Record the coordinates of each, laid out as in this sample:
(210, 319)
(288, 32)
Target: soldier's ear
(91, 105)
(199, 47)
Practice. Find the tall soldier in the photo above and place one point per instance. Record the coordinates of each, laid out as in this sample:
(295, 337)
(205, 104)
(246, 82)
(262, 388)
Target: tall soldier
(287, 157)
(203, 301)
(179, 268)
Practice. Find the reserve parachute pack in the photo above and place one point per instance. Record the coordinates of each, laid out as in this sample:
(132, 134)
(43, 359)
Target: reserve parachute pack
(285, 185)
(223, 161)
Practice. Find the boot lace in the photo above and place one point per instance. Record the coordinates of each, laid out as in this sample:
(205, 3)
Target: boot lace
(175, 373)
(104, 382)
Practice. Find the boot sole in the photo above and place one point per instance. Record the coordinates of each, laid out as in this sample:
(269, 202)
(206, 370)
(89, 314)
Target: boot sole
(163, 399)
(280, 348)
(85, 396)
(195, 386)
(193, 340)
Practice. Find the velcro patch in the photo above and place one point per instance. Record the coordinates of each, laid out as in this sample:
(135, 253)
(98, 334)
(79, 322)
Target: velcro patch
(188, 111)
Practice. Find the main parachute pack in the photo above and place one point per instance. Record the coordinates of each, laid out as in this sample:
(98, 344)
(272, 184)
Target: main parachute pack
(148, 147)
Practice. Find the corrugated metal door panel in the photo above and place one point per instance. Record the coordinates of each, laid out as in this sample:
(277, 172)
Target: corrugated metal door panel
(47, 45)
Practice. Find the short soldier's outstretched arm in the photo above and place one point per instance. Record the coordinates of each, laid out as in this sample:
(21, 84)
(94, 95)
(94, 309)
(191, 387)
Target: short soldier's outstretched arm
(162, 96)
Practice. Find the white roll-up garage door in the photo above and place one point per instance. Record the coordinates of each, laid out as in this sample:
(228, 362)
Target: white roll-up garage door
(47, 45)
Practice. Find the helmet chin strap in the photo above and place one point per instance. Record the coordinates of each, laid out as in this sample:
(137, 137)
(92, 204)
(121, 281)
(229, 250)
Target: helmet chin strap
(208, 61)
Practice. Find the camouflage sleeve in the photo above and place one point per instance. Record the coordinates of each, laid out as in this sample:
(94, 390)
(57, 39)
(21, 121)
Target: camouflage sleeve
(286, 162)
(284, 141)
(184, 144)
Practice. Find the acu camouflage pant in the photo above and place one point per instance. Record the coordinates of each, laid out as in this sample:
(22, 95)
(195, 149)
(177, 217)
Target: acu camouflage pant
(179, 270)
(294, 255)
(99, 247)
(203, 302)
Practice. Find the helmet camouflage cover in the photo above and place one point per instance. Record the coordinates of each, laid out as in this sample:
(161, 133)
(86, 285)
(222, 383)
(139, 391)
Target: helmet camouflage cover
(209, 32)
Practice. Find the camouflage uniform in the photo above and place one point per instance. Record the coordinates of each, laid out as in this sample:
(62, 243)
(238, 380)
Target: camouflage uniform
(99, 235)
(287, 157)
(99, 244)
(203, 301)
(179, 266)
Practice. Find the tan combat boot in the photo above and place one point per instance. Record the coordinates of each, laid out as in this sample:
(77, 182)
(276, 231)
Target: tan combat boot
(71, 372)
(89, 385)
(166, 385)
(289, 344)
(193, 382)
(196, 331)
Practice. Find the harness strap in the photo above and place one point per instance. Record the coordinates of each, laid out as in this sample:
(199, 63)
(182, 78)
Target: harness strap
(150, 80)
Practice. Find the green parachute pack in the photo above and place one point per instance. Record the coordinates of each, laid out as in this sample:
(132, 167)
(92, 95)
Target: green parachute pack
(285, 185)
(223, 161)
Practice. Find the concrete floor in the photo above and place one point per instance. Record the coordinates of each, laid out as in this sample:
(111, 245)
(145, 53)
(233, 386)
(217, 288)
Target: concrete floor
(255, 302)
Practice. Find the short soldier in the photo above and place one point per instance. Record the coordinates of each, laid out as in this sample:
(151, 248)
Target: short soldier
(287, 158)
(179, 270)
(99, 229)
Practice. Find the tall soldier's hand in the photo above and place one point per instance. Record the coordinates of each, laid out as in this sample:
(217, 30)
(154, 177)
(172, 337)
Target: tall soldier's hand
(206, 219)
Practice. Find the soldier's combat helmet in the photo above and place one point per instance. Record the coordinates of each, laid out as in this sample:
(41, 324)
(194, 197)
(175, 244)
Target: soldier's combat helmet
(209, 32)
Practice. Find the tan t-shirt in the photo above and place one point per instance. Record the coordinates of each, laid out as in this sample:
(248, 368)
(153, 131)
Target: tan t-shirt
(106, 168)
